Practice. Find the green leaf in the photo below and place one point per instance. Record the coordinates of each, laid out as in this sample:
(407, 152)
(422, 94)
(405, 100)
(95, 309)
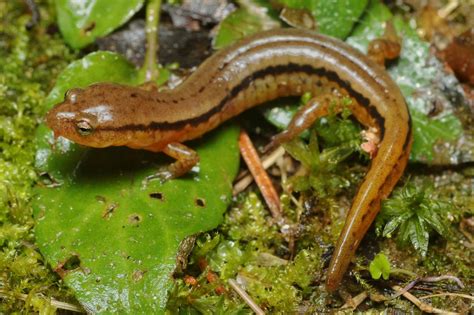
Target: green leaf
(281, 112)
(430, 214)
(405, 231)
(392, 225)
(334, 17)
(414, 72)
(419, 236)
(428, 132)
(81, 22)
(111, 236)
(239, 24)
(380, 266)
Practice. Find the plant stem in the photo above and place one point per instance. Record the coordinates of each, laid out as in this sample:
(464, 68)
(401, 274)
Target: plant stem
(150, 65)
(403, 272)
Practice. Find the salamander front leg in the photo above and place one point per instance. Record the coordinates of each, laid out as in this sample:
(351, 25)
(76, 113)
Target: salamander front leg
(185, 157)
(317, 107)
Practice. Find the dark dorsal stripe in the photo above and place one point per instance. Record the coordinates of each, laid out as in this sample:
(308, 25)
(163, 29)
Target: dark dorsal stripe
(245, 83)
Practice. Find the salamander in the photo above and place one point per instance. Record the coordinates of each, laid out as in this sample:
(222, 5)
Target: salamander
(262, 67)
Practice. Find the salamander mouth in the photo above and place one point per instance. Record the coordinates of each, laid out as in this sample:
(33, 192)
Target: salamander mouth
(51, 119)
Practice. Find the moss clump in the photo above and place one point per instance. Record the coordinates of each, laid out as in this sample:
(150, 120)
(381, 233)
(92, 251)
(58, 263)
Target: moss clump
(415, 212)
(31, 59)
(249, 249)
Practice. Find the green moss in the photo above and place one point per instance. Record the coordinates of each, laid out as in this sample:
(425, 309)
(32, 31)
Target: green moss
(326, 176)
(282, 288)
(249, 249)
(247, 231)
(415, 211)
(30, 61)
(249, 222)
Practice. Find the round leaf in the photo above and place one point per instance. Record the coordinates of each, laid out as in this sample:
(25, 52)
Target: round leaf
(380, 266)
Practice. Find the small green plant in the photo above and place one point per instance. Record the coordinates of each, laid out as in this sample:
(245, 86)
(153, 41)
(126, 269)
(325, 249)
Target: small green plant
(340, 138)
(380, 266)
(415, 211)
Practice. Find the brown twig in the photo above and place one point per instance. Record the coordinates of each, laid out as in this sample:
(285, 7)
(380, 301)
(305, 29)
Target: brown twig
(251, 158)
(409, 286)
(405, 289)
(445, 11)
(247, 299)
(463, 227)
(421, 305)
(441, 278)
(267, 161)
(464, 296)
(354, 302)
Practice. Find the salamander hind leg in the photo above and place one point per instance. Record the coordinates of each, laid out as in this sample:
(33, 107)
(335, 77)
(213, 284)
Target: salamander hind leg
(315, 108)
(385, 48)
(185, 157)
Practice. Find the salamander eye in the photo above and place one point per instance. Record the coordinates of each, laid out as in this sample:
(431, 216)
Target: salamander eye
(83, 127)
(71, 94)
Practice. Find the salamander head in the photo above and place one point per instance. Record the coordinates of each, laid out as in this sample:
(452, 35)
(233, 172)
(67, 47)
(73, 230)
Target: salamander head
(90, 116)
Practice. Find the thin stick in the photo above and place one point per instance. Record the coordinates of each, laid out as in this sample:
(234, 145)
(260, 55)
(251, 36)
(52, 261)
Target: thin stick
(407, 288)
(251, 158)
(464, 296)
(441, 278)
(464, 231)
(151, 29)
(448, 8)
(421, 305)
(35, 14)
(55, 303)
(247, 299)
(266, 162)
(354, 302)
(403, 272)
